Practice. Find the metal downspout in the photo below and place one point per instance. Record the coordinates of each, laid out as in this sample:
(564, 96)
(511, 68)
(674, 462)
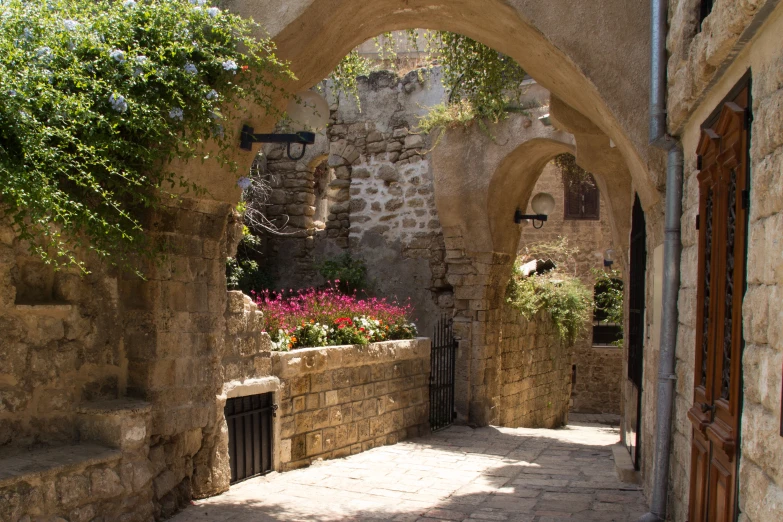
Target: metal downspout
(671, 260)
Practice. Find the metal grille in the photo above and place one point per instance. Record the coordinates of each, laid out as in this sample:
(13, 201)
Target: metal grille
(249, 422)
(705, 327)
(442, 365)
(731, 228)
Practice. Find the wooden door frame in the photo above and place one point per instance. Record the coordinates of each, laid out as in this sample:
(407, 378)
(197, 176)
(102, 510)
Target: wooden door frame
(716, 413)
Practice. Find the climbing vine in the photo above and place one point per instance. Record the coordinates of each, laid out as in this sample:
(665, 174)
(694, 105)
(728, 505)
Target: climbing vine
(98, 96)
(481, 82)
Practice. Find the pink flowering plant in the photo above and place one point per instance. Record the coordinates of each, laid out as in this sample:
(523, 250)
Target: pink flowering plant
(326, 317)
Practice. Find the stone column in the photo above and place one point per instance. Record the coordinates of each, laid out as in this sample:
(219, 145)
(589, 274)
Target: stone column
(173, 329)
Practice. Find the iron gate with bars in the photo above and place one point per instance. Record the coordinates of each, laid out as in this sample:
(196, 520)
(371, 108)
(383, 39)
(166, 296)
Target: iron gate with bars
(250, 435)
(442, 366)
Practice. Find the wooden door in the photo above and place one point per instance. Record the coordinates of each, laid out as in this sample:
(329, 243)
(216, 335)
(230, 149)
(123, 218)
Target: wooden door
(715, 415)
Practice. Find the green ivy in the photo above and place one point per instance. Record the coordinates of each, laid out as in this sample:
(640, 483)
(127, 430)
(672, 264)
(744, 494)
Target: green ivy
(609, 300)
(98, 96)
(489, 80)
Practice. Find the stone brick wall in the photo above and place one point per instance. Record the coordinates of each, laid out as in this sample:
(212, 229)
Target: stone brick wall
(367, 188)
(697, 53)
(333, 401)
(57, 345)
(342, 400)
(535, 373)
(703, 67)
(599, 375)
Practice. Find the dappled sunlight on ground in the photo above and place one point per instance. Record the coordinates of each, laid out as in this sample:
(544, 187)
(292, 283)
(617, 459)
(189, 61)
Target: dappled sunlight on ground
(460, 473)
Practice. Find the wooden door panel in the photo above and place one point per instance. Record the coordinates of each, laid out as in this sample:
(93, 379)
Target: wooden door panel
(700, 461)
(723, 186)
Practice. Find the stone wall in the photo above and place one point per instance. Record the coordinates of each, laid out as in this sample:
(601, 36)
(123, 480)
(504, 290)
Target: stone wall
(704, 66)
(535, 373)
(333, 401)
(599, 375)
(598, 370)
(365, 187)
(57, 346)
(341, 400)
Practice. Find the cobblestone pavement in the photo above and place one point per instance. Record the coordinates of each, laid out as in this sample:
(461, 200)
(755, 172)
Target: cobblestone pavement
(459, 474)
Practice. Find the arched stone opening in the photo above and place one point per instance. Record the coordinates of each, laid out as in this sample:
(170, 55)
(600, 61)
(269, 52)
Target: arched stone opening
(606, 89)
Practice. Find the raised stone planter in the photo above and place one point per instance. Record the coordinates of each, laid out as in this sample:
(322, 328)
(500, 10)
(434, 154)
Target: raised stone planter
(341, 400)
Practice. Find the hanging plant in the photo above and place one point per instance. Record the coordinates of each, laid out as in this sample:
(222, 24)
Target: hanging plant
(97, 97)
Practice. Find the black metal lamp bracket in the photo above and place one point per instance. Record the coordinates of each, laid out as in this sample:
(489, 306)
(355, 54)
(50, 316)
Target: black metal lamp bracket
(247, 138)
(519, 217)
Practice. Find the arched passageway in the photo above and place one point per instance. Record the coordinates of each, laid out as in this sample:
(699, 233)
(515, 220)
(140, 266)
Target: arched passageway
(599, 80)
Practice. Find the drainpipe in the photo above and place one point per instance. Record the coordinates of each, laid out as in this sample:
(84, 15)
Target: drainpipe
(671, 260)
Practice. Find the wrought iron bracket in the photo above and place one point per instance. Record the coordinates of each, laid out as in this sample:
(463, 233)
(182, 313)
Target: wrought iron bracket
(247, 138)
(519, 217)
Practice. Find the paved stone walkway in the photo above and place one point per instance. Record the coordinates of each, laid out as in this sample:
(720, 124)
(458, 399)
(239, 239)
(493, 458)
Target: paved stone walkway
(459, 474)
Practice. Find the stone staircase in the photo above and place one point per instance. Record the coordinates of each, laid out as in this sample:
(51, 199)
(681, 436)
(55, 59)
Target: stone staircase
(106, 472)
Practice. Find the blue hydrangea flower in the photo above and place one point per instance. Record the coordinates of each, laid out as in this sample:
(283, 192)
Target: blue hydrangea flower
(137, 72)
(129, 3)
(176, 114)
(12, 93)
(212, 95)
(27, 33)
(118, 55)
(244, 182)
(118, 103)
(230, 65)
(44, 53)
(71, 25)
(213, 11)
(198, 2)
(141, 59)
(190, 68)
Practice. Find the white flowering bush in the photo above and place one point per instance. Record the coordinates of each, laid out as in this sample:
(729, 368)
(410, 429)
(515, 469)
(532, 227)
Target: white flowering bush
(97, 96)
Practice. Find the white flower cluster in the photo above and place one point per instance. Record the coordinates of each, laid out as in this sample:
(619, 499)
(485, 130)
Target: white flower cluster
(118, 103)
(198, 2)
(71, 25)
(230, 65)
(129, 3)
(213, 11)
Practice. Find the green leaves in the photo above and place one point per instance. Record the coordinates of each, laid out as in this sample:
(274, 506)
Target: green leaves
(97, 97)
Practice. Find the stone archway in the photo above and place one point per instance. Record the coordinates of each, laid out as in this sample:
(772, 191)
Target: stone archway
(602, 78)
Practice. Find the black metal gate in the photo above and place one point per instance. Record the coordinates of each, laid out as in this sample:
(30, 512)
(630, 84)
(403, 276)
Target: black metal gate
(250, 435)
(442, 365)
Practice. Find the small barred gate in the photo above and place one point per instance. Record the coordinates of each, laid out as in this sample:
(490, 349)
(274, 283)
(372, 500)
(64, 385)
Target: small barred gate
(250, 435)
(442, 366)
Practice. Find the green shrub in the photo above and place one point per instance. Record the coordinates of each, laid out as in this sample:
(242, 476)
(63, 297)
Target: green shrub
(98, 96)
(348, 273)
(565, 298)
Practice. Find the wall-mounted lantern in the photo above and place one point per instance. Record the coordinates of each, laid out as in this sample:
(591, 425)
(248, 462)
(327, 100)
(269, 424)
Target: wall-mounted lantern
(308, 111)
(542, 204)
(608, 257)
